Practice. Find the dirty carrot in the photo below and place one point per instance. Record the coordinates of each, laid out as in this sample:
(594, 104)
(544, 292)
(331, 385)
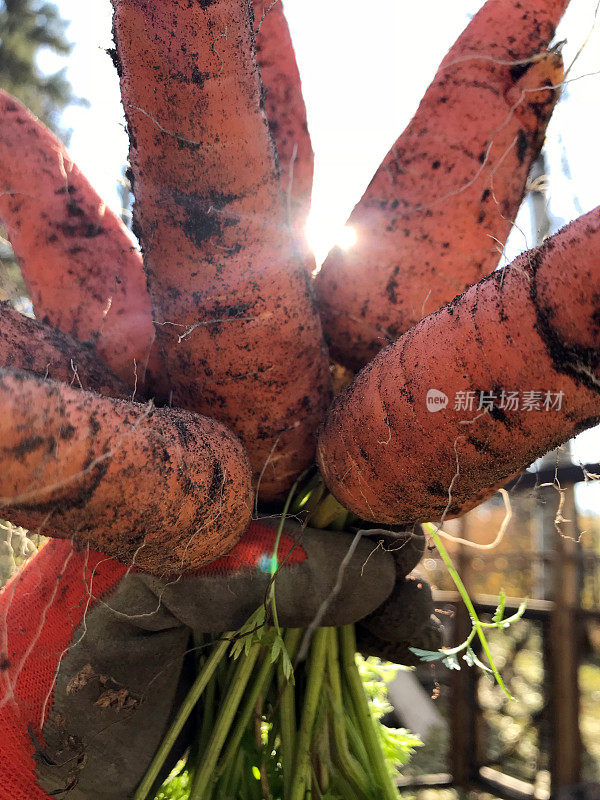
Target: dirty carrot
(284, 106)
(82, 271)
(160, 489)
(239, 334)
(436, 214)
(44, 351)
(475, 392)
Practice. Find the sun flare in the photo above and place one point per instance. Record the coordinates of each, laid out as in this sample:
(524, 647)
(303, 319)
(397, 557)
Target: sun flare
(321, 237)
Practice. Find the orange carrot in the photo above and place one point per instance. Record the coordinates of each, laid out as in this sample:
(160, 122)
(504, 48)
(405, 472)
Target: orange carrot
(46, 352)
(239, 334)
(439, 209)
(284, 106)
(163, 490)
(82, 271)
(532, 329)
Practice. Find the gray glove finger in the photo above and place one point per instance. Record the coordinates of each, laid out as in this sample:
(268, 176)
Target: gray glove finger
(312, 562)
(429, 637)
(406, 547)
(405, 611)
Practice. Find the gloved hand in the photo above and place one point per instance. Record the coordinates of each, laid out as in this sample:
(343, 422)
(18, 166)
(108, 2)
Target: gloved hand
(406, 617)
(95, 658)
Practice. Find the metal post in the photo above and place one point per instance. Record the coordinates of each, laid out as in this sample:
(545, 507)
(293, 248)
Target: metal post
(564, 645)
(465, 722)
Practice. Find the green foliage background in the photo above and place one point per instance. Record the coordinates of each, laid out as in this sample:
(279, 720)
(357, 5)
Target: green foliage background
(26, 27)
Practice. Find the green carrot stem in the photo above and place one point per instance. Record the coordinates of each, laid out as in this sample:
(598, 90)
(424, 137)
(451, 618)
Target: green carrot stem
(316, 783)
(348, 765)
(313, 500)
(208, 709)
(225, 676)
(262, 751)
(230, 779)
(320, 752)
(452, 651)
(206, 771)
(340, 522)
(477, 624)
(204, 708)
(184, 712)
(309, 495)
(225, 781)
(355, 739)
(287, 712)
(340, 785)
(236, 777)
(261, 683)
(316, 668)
(327, 512)
(275, 556)
(365, 720)
(200, 643)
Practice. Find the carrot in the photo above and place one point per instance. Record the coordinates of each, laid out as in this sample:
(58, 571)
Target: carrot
(438, 210)
(46, 352)
(160, 489)
(81, 269)
(533, 327)
(284, 106)
(240, 336)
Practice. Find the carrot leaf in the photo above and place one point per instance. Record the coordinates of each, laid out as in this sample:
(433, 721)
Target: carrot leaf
(499, 613)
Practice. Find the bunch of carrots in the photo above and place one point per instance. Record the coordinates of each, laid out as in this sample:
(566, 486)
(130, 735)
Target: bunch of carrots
(205, 359)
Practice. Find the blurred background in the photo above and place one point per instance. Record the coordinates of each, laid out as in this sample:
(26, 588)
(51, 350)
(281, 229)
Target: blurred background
(364, 69)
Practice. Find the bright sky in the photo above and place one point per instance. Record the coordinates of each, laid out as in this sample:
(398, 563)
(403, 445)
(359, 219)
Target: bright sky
(363, 75)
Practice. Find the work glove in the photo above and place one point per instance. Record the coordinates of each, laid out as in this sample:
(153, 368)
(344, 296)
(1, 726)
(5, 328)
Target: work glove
(405, 619)
(95, 657)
